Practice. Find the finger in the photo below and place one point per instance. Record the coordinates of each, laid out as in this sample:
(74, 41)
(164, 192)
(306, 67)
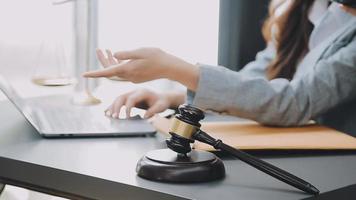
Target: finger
(129, 55)
(155, 108)
(119, 102)
(111, 58)
(101, 57)
(132, 101)
(109, 111)
(107, 72)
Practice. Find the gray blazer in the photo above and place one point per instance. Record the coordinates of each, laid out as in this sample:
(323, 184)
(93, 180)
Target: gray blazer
(323, 88)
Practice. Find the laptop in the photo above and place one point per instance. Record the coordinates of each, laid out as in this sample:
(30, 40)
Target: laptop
(56, 116)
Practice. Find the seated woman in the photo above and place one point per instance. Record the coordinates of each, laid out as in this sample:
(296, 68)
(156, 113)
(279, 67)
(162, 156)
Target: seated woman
(307, 72)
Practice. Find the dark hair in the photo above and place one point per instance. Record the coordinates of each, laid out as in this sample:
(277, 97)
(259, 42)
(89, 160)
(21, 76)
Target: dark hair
(291, 31)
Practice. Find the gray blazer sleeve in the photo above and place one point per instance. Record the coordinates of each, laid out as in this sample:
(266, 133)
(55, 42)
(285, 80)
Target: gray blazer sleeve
(257, 68)
(329, 82)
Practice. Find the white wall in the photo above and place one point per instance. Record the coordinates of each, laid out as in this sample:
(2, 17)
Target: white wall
(25, 26)
(186, 28)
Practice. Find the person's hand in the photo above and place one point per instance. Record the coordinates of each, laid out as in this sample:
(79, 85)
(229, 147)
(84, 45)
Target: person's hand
(146, 99)
(348, 9)
(106, 61)
(147, 64)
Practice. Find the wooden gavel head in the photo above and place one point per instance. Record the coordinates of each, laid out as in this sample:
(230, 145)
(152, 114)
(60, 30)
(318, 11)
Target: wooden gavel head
(183, 127)
(175, 164)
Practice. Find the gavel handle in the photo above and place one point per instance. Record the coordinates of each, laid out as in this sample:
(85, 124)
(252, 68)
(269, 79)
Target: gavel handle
(257, 163)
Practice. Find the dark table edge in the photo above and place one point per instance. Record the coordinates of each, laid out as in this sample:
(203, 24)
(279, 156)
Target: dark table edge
(2, 186)
(70, 185)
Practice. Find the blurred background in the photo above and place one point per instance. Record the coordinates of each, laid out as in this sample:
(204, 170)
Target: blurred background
(38, 38)
(56, 40)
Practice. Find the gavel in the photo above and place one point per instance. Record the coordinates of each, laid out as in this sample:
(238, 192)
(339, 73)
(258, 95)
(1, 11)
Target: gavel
(185, 129)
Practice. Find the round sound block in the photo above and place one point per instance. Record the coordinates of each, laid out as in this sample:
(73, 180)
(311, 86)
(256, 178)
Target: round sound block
(167, 166)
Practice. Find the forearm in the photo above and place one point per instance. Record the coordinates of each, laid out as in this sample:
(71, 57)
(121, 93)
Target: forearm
(183, 72)
(188, 74)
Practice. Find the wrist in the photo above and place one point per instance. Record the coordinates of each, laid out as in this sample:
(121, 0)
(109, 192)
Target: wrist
(177, 69)
(175, 98)
(185, 73)
(189, 76)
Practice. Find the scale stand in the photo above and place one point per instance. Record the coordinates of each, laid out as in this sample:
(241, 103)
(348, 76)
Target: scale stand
(85, 23)
(85, 99)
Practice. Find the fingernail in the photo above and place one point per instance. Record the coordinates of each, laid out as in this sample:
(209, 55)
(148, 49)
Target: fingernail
(114, 115)
(108, 113)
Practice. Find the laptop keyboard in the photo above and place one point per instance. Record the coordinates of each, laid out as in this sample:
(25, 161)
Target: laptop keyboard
(78, 120)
